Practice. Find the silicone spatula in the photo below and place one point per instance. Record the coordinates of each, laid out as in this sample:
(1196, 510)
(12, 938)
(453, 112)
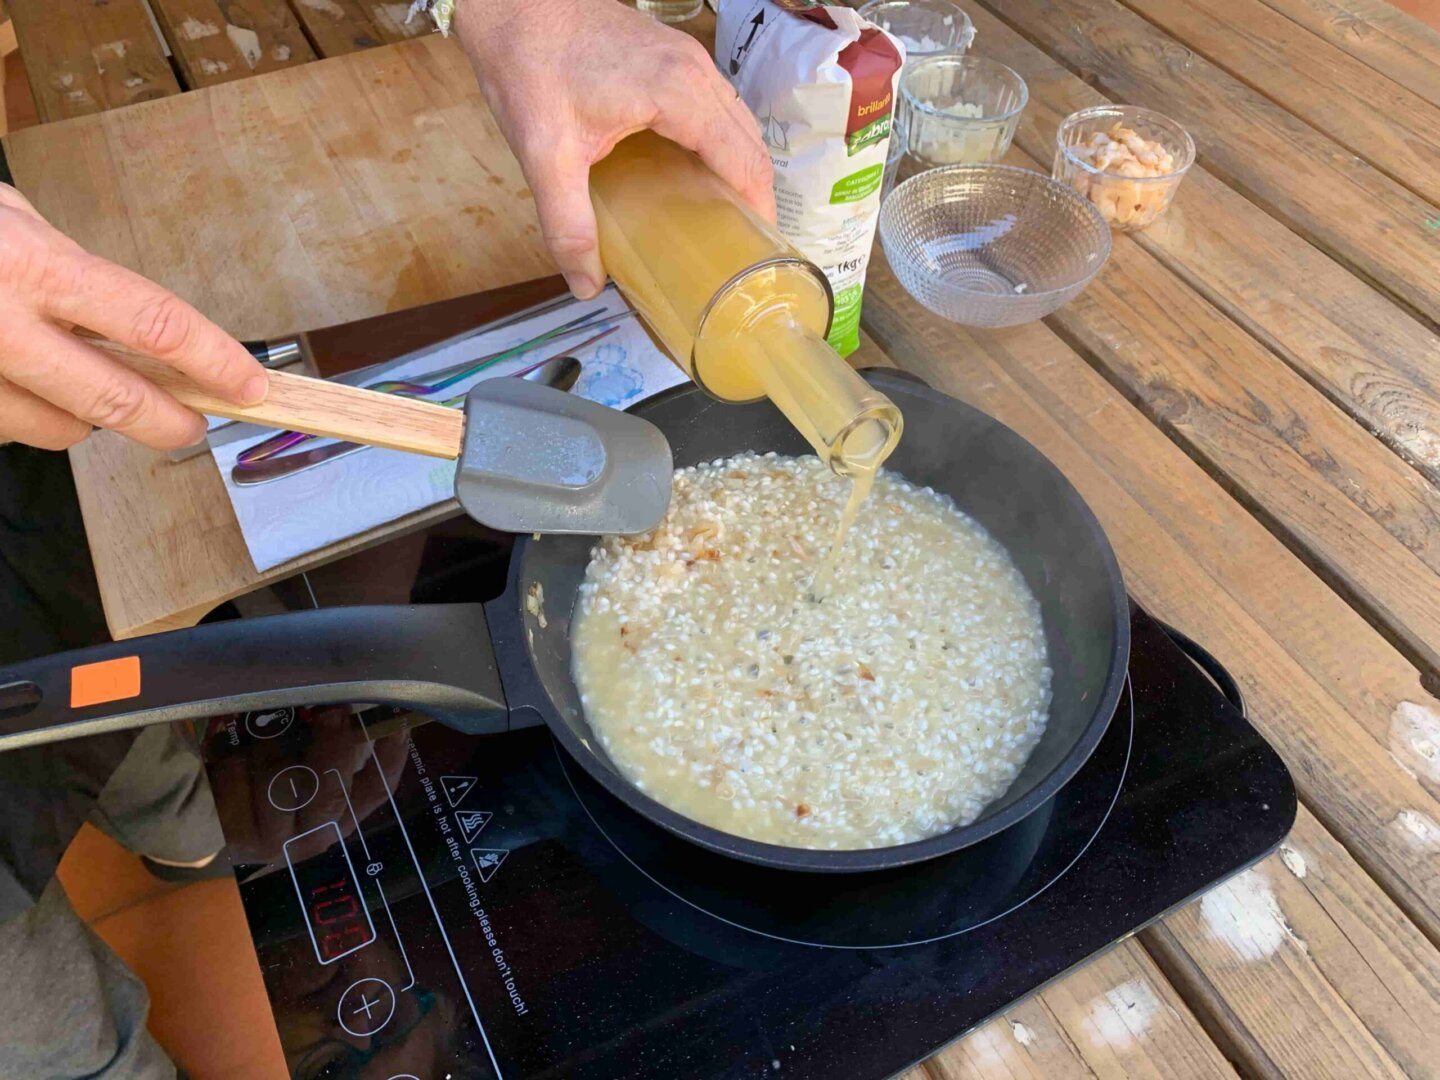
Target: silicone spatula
(531, 458)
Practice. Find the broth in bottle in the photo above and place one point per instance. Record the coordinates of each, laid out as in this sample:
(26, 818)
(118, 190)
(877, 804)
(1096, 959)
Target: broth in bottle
(737, 307)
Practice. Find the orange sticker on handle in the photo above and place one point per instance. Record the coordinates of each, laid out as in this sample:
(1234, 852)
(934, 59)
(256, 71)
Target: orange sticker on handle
(109, 680)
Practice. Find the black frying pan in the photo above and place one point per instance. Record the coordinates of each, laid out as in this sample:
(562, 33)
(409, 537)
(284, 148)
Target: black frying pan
(486, 669)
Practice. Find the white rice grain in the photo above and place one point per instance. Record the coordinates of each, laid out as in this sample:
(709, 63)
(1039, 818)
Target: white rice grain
(894, 710)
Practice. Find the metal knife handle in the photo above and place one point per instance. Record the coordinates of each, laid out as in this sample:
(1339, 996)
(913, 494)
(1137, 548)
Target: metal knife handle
(278, 353)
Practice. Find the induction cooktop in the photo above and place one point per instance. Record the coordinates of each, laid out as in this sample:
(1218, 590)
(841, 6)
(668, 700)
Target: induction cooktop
(428, 905)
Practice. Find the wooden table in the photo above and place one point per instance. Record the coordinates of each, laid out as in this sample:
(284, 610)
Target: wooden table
(1248, 396)
(85, 56)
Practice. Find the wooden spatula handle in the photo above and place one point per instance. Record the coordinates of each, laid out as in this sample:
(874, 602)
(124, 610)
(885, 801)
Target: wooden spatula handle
(317, 407)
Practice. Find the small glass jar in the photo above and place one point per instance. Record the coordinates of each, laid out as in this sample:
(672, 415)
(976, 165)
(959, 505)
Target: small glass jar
(959, 110)
(1128, 202)
(894, 155)
(924, 27)
(670, 11)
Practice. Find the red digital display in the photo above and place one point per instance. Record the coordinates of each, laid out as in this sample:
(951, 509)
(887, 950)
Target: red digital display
(340, 923)
(330, 896)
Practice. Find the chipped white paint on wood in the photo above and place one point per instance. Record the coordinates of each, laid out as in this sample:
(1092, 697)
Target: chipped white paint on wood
(1418, 829)
(247, 42)
(1123, 1015)
(325, 7)
(1293, 860)
(1244, 915)
(193, 29)
(1415, 740)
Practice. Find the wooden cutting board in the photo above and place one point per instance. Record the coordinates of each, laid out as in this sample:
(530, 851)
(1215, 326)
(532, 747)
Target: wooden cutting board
(302, 198)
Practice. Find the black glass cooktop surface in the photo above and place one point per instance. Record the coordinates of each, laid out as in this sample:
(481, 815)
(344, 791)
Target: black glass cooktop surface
(429, 905)
(432, 905)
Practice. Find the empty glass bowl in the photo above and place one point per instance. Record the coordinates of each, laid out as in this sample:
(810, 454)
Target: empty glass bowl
(1127, 202)
(960, 109)
(924, 27)
(991, 245)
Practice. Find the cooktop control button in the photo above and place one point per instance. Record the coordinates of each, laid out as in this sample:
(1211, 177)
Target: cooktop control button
(366, 1006)
(269, 723)
(292, 788)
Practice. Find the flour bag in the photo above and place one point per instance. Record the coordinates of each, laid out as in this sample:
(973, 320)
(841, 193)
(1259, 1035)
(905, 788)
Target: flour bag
(822, 82)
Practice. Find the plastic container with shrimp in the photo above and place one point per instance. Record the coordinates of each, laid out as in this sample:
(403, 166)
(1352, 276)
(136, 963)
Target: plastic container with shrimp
(1126, 160)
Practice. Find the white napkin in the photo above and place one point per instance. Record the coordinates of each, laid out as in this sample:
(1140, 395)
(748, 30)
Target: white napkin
(296, 514)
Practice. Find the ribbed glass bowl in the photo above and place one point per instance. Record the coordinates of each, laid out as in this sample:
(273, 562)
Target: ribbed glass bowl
(991, 245)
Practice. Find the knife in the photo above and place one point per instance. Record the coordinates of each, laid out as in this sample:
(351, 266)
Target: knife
(382, 341)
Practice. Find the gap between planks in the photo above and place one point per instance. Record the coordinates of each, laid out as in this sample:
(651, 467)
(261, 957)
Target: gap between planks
(1398, 612)
(1400, 140)
(1391, 41)
(1407, 643)
(1206, 433)
(1338, 333)
(1397, 268)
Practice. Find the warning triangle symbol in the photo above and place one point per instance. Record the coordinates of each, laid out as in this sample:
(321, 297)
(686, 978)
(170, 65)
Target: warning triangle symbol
(488, 860)
(457, 787)
(471, 822)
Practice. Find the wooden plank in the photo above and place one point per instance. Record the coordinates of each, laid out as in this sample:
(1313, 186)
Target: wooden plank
(1363, 110)
(1368, 522)
(1344, 709)
(84, 57)
(1346, 206)
(8, 45)
(1393, 43)
(394, 22)
(1304, 958)
(1116, 1016)
(1358, 347)
(215, 41)
(1360, 516)
(338, 27)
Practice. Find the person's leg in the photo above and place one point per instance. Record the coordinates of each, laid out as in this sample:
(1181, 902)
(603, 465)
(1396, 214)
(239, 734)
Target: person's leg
(71, 1009)
(68, 1006)
(158, 801)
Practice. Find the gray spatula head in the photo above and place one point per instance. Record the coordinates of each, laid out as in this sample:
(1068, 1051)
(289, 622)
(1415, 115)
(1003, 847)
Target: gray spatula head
(537, 459)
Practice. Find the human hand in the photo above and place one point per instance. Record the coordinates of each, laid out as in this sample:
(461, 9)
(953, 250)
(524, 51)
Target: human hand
(54, 387)
(568, 79)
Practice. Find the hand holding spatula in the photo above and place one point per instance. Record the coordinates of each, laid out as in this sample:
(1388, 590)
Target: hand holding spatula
(532, 458)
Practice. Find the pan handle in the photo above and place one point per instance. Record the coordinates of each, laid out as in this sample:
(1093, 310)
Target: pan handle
(434, 658)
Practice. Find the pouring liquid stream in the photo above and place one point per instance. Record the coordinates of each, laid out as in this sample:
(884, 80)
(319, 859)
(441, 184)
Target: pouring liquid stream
(740, 311)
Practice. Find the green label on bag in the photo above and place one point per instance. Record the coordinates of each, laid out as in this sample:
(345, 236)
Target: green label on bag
(857, 185)
(845, 327)
(878, 130)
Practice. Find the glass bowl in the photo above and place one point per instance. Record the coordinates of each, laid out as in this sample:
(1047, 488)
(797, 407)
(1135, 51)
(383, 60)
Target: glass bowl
(894, 154)
(1128, 203)
(960, 110)
(924, 27)
(991, 245)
